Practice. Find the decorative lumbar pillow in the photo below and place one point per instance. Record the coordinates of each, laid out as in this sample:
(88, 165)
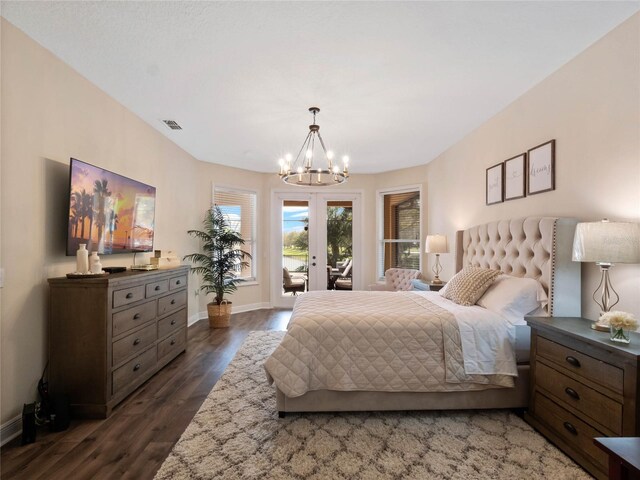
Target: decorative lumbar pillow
(514, 297)
(418, 284)
(468, 285)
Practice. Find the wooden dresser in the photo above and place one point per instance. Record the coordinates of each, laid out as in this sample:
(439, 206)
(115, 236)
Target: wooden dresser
(109, 335)
(582, 386)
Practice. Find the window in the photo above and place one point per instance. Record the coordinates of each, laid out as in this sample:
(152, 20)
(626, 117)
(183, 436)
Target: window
(399, 229)
(239, 206)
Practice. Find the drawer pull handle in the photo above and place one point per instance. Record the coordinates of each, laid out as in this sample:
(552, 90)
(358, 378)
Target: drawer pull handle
(157, 288)
(136, 341)
(178, 282)
(173, 302)
(572, 393)
(173, 322)
(137, 367)
(173, 341)
(570, 428)
(573, 361)
(129, 295)
(136, 316)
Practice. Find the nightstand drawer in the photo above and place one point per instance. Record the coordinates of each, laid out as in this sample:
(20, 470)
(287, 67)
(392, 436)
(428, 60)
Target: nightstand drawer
(571, 429)
(581, 364)
(593, 404)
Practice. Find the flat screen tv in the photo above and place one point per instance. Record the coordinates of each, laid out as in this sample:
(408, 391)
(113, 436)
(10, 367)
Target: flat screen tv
(109, 212)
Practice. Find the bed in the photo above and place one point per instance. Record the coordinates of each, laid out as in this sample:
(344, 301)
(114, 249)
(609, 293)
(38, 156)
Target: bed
(373, 351)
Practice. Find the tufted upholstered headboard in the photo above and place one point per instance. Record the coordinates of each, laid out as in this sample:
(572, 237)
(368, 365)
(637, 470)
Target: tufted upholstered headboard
(534, 247)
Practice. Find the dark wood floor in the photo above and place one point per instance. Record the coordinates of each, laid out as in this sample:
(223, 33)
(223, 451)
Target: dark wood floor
(138, 436)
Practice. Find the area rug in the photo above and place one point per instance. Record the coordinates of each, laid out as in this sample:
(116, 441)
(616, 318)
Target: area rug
(237, 434)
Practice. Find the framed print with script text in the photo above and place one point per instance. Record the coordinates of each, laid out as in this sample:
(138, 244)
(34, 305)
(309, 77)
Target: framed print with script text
(514, 177)
(495, 182)
(541, 168)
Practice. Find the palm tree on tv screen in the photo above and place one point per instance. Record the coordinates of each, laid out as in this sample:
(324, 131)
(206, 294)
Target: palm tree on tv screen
(101, 191)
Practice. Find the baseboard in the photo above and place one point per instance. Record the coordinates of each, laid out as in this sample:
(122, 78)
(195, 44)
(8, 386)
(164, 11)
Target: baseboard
(10, 430)
(236, 309)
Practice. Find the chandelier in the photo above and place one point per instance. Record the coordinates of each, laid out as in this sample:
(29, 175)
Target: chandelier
(303, 173)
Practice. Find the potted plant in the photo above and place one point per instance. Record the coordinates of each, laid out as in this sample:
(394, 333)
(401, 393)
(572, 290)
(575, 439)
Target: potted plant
(218, 264)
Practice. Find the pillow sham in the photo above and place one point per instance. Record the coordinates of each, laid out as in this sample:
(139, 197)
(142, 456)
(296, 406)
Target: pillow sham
(514, 297)
(468, 285)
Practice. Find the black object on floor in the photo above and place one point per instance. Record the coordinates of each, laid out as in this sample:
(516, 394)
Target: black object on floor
(28, 423)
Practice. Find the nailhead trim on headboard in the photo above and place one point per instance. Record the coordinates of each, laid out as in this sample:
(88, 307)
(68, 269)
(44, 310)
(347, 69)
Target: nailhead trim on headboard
(524, 247)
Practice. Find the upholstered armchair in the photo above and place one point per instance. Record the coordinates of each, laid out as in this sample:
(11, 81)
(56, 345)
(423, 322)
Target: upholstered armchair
(292, 283)
(397, 279)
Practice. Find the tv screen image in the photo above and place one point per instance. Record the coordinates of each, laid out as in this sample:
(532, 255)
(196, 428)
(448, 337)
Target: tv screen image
(109, 212)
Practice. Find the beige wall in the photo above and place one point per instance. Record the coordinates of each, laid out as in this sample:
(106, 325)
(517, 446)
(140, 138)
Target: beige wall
(591, 106)
(50, 113)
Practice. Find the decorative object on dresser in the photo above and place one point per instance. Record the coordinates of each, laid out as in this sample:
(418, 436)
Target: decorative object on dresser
(514, 177)
(108, 335)
(219, 264)
(494, 184)
(436, 243)
(606, 243)
(541, 169)
(165, 259)
(582, 387)
(82, 259)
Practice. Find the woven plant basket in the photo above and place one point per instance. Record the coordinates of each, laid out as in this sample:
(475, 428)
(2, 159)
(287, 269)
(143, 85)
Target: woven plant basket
(219, 315)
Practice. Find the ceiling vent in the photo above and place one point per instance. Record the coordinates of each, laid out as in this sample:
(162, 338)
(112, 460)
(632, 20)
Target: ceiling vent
(172, 124)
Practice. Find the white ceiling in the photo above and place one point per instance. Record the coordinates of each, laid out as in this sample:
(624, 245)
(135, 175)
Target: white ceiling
(397, 83)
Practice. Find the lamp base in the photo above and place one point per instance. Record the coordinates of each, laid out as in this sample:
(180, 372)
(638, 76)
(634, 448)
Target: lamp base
(436, 281)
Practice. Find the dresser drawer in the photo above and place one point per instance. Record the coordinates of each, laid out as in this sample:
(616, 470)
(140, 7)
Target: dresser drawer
(172, 345)
(581, 364)
(177, 282)
(133, 370)
(571, 429)
(172, 302)
(604, 410)
(134, 343)
(132, 317)
(172, 322)
(128, 295)
(156, 288)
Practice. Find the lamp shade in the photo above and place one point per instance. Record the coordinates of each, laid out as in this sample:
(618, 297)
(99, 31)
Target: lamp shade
(436, 244)
(607, 242)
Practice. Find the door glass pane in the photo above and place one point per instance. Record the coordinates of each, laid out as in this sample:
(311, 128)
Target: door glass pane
(340, 245)
(295, 247)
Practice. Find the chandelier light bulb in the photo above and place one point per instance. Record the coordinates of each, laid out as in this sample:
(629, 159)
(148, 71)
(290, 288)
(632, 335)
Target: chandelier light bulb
(288, 157)
(300, 169)
(336, 169)
(330, 155)
(309, 154)
(345, 160)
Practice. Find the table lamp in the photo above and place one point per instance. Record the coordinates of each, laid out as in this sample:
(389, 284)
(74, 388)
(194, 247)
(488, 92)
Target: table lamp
(606, 243)
(437, 244)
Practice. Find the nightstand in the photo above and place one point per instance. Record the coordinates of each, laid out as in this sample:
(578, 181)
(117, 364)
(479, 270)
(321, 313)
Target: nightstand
(582, 386)
(434, 287)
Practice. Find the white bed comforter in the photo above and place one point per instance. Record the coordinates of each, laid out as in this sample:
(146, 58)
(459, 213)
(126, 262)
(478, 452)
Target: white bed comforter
(391, 341)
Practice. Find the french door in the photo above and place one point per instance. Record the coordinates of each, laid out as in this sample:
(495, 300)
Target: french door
(316, 244)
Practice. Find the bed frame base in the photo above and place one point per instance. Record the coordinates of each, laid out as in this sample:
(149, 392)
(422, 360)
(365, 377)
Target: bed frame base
(335, 401)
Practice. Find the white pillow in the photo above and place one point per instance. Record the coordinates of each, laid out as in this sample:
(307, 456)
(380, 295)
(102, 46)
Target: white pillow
(514, 297)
